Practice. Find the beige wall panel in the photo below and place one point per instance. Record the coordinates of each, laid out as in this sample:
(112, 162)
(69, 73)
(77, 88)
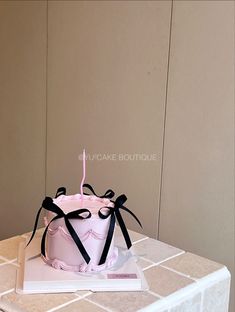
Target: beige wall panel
(197, 206)
(22, 113)
(107, 76)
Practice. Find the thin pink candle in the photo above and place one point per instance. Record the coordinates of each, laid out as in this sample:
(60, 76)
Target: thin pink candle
(84, 174)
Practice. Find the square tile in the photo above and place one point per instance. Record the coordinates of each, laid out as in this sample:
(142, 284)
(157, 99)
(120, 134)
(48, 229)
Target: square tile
(81, 305)
(9, 247)
(36, 302)
(155, 250)
(192, 265)
(124, 301)
(192, 304)
(7, 277)
(165, 282)
(216, 298)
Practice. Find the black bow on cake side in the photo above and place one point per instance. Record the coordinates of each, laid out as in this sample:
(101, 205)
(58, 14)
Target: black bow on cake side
(48, 205)
(115, 214)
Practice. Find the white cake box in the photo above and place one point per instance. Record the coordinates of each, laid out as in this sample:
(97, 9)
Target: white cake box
(35, 276)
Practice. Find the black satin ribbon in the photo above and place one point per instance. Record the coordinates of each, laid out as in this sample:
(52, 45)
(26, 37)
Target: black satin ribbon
(76, 214)
(61, 191)
(114, 213)
(108, 194)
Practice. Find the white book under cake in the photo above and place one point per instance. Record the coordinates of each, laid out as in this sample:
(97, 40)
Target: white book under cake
(35, 276)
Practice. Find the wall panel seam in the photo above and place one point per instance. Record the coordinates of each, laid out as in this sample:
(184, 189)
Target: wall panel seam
(164, 123)
(46, 104)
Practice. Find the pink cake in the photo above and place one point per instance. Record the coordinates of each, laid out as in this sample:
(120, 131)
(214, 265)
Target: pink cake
(61, 250)
(80, 229)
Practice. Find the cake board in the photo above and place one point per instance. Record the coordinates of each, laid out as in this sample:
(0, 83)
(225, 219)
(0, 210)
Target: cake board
(35, 276)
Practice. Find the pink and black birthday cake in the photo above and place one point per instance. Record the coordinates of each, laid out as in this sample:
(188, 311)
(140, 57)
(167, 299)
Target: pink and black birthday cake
(80, 228)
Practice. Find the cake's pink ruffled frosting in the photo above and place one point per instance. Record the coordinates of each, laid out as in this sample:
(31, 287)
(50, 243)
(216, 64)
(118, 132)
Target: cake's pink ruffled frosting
(83, 237)
(91, 267)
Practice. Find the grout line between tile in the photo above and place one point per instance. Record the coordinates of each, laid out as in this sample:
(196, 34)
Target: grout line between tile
(64, 304)
(99, 305)
(145, 259)
(85, 295)
(155, 294)
(7, 261)
(171, 257)
(140, 240)
(177, 272)
(6, 292)
(159, 262)
(149, 266)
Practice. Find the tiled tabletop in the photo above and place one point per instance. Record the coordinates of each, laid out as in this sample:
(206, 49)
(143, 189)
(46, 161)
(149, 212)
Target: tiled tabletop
(178, 282)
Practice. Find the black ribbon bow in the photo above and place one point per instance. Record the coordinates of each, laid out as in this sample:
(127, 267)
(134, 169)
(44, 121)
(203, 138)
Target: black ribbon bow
(76, 214)
(113, 212)
(108, 194)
